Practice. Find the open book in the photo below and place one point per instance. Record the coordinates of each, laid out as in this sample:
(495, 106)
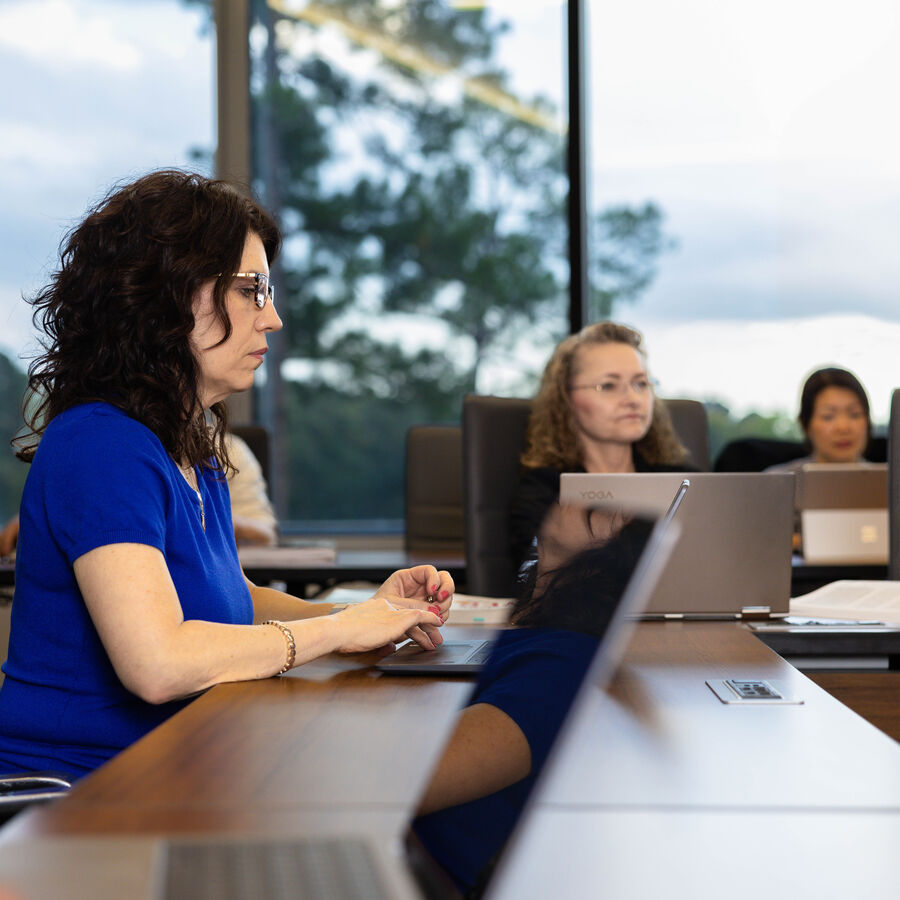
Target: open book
(877, 601)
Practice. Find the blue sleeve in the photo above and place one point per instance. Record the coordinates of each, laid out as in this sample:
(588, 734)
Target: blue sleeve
(534, 681)
(105, 481)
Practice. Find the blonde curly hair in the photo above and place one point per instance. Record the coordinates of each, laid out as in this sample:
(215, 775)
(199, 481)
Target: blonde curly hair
(552, 439)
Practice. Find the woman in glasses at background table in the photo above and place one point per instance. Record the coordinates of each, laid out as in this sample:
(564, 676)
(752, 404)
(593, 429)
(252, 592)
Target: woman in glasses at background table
(129, 598)
(595, 411)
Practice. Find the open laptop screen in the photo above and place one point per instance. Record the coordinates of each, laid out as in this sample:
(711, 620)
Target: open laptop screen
(595, 568)
(843, 513)
(734, 552)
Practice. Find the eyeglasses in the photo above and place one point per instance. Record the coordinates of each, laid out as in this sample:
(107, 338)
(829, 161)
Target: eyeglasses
(262, 289)
(640, 386)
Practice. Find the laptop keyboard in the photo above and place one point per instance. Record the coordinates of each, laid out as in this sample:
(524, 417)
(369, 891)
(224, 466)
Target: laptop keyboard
(272, 870)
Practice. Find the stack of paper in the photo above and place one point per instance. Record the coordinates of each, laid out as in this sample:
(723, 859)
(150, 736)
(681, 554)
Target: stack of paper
(877, 601)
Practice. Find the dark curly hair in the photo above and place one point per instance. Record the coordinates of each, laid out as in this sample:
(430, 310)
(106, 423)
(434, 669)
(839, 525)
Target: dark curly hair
(117, 315)
(552, 438)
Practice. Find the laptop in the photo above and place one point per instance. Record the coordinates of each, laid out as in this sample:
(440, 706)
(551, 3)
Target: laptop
(434, 857)
(466, 657)
(843, 513)
(734, 553)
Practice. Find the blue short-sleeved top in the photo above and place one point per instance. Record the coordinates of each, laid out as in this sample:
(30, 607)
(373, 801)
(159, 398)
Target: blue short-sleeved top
(533, 675)
(100, 477)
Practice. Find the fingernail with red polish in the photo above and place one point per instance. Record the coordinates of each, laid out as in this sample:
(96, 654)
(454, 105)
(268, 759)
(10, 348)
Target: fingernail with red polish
(445, 595)
(434, 609)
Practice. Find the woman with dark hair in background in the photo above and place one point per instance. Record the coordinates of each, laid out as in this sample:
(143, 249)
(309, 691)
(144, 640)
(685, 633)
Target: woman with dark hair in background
(834, 416)
(129, 598)
(595, 411)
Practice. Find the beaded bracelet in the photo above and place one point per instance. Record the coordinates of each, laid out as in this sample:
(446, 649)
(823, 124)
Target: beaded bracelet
(291, 646)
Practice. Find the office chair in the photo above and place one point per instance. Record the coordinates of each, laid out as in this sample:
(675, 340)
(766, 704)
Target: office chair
(893, 461)
(21, 790)
(433, 489)
(757, 454)
(493, 438)
(691, 424)
(751, 454)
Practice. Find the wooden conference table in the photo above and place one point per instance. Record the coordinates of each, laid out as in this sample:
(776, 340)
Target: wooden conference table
(661, 789)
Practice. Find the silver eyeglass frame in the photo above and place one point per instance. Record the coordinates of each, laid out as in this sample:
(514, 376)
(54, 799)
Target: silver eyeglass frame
(265, 290)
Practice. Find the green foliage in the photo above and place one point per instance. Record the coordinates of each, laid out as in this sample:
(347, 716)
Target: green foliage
(403, 209)
(724, 427)
(625, 244)
(12, 470)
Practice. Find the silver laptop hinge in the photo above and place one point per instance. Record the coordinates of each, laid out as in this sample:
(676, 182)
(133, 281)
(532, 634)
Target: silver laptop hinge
(756, 612)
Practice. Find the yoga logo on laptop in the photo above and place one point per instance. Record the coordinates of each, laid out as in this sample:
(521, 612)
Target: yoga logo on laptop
(597, 495)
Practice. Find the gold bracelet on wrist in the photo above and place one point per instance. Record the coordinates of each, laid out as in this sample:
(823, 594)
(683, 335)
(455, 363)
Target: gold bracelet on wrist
(291, 646)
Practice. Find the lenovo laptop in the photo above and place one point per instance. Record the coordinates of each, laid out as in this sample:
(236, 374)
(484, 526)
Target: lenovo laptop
(734, 552)
(466, 657)
(843, 513)
(337, 868)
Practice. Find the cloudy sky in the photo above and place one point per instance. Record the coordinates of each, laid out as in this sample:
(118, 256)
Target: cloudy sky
(94, 92)
(766, 134)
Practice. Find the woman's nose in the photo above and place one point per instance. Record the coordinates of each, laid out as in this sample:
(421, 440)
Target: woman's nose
(269, 320)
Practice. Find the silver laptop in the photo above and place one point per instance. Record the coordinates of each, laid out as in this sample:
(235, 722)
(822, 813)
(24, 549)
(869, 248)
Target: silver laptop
(843, 513)
(466, 657)
(734, 553)
(437, 858)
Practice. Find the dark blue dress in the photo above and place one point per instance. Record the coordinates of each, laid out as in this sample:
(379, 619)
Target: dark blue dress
(533, 675)
(99, 477)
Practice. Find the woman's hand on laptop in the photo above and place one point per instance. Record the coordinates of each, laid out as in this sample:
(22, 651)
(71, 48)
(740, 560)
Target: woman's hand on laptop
(421, 587)
(381, 620)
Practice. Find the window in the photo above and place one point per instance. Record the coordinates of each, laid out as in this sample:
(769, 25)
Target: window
(103, 91)
(762, 137)
(414, 153)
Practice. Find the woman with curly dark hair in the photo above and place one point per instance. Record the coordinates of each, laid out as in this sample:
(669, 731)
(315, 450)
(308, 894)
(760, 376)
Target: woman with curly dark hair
(129, 597)
(595, 411)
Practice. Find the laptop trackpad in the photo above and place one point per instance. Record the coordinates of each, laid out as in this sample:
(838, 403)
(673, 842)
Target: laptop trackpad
(450, 653)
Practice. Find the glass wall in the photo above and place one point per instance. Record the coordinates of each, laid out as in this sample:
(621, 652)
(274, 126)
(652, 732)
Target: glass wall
(415, 155)
(763, 138)
(94, 91)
